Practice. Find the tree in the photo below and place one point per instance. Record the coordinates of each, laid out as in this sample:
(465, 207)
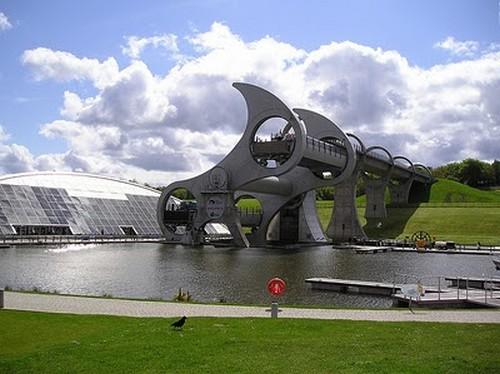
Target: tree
(476, 173)
(495, 166)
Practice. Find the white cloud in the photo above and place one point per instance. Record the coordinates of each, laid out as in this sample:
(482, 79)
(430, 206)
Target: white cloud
(136, 45)
(4, 22)
(466, 48)
(136, 98)
(159, 128)
(64, 66)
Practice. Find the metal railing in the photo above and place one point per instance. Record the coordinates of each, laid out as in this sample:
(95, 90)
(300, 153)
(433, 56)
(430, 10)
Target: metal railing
(333, 150)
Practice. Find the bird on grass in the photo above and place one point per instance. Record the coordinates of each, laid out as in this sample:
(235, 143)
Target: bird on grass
(179, 323)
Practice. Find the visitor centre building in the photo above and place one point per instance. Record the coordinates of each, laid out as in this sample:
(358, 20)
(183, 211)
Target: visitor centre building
(56, 203)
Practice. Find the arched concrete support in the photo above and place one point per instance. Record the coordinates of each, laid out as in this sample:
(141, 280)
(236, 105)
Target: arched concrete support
(310, 229)
(300, 211)
(400, 192)
(344, 224)
(297, 222)
(375, 189)
(375, 198)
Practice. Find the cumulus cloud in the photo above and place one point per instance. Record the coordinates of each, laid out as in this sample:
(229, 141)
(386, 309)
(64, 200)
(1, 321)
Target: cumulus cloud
(14, 158)
(64, 66)
(135, 45)
(466, 48)
(160, 128)
(4, 22)
(136, 98)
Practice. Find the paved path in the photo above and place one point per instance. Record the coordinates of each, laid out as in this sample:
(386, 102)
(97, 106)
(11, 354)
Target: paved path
(88, 305)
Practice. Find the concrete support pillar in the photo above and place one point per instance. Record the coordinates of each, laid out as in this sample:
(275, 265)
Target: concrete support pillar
(344, 223)
(234, 226)
(375, 194)
(310, 229)
(297, 221)
(400, 193)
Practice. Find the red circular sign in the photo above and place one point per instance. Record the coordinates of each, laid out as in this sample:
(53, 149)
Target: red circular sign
(276, 286)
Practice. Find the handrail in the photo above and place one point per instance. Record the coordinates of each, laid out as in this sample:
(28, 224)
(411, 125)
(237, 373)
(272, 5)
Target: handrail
(325, 147)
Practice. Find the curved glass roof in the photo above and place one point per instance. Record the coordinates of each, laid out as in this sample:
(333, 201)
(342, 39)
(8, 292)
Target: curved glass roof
(81, 184)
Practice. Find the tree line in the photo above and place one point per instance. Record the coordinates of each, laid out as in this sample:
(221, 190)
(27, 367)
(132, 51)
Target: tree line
(474, 173)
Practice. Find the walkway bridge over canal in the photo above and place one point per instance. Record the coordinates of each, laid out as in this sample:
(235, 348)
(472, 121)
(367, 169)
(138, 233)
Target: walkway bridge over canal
(281, 170)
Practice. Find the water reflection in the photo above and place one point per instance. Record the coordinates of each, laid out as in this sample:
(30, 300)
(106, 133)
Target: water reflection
(231, 274)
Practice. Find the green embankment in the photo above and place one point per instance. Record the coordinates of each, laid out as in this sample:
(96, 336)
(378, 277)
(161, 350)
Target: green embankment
(58, 343)
(454, 212)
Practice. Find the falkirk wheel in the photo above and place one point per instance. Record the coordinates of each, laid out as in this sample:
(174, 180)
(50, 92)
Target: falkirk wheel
(281, 172)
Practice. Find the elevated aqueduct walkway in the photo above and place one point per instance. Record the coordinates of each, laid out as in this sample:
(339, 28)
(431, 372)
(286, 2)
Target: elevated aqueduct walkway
(281, 171)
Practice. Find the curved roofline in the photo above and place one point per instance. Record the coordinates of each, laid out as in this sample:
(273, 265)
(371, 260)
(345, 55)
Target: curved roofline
(69, 173)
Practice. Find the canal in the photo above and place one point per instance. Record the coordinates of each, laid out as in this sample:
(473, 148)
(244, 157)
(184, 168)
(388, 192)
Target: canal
(233, 275)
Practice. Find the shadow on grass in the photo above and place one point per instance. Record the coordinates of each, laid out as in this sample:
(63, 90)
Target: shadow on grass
(393, 225)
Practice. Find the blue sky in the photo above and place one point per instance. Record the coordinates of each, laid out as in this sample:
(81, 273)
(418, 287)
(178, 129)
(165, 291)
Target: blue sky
(65, 73)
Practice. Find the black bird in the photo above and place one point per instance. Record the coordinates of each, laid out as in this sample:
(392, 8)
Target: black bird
(178, 324)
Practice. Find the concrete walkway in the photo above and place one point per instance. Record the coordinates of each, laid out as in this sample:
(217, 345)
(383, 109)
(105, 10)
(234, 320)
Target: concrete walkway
(132, 308)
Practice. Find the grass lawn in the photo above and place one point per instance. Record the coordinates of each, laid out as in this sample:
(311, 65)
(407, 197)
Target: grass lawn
(466, 225)
(55, 343)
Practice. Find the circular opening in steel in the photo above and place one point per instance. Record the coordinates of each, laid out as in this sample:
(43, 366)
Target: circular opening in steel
(273, 143)
(180, 210)
(250, 211)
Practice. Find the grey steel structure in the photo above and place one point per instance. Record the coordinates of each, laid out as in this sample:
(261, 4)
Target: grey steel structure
(50, 203)
(282, 173)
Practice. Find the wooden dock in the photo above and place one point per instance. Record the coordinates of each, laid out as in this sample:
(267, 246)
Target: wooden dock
(353, 286)
(430, 297)
(451, 298)
(371, 249)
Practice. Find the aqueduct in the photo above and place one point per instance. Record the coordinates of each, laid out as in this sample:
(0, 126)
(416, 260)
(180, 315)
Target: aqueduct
(281, 171)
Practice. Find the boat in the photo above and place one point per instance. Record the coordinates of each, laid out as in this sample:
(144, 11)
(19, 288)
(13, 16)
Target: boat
(496, 261)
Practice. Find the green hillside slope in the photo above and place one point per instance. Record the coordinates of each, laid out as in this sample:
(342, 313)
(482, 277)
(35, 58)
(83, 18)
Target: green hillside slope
(448, 191)
(454, 212)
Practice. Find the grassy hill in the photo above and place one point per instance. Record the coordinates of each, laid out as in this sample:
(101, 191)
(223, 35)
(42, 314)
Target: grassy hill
(447, 192)
(454, 212)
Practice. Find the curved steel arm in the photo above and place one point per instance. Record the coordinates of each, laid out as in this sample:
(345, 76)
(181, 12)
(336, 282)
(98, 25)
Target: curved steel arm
(358, 139)
(391, 159)
(412, 166)
(422, 166)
